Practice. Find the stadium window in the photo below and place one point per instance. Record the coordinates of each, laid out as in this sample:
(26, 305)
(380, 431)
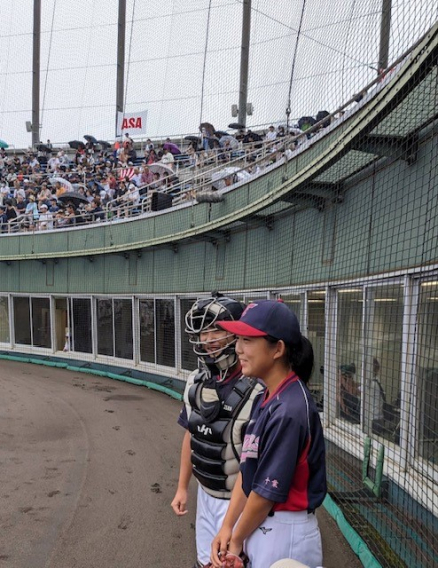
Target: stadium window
(105, 327)
(427, 373)
(316, 386)
(349, 353)
(62, 332)
(22, 331)
(4, 320)
(316, 334)
(147, 331)
(381, 385)
(123, 329)
(80, 322)
(41, 327)
(165, 332)
(189, 360)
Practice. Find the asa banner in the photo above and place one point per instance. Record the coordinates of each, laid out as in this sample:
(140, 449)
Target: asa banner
(132, 122)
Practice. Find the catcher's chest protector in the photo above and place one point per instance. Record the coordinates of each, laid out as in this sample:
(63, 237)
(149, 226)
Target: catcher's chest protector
(217, 430)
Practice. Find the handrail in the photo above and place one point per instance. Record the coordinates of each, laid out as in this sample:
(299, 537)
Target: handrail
(203, 177)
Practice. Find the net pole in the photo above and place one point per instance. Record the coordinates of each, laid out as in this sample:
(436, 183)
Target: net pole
(244, 61)
(36, 72)
(121, 32)
(385, 30)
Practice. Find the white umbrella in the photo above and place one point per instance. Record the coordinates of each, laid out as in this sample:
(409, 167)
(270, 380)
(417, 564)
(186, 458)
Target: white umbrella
(234, 144)
(63, 182)
(160, 168)
(238, 173)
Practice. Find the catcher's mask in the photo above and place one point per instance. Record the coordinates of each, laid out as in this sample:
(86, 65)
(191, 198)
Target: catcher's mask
(201, 318)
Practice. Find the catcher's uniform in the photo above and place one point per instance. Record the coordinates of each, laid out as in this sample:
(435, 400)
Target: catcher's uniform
(283, 460)
(216, 414)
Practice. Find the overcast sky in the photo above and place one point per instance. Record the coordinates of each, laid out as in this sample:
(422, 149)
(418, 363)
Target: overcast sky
(182, 61)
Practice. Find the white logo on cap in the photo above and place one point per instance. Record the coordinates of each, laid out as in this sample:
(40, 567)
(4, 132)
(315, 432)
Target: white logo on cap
(248, 307)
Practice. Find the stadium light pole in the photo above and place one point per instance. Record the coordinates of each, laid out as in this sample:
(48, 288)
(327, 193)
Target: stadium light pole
(36, 59)
(244, 61)
(121, 32)
(385, 30)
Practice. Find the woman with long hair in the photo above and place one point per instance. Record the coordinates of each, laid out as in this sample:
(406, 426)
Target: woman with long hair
(282, 477)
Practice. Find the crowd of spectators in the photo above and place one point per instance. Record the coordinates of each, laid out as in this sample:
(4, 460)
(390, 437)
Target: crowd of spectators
(36, 187)
(112, 181)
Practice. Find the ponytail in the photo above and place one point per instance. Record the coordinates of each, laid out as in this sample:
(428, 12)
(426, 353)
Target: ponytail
(301, 358)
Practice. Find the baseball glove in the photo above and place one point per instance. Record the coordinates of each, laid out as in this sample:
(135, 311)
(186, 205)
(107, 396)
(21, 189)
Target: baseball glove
(232, 561)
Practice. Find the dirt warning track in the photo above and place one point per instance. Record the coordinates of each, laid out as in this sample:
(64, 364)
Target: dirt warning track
(88, 468)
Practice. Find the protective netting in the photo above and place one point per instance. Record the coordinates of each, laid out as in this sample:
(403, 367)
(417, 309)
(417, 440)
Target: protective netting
(182, 61)
(339, 220)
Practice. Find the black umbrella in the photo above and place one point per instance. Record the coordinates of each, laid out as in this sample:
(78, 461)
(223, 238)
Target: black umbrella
(192, 138)
(43, 148)
(90, 139)
(104, 144)
(208, 126)
(237, 126)
(72, 197)
(220, 133)
(321, 115)
(76, 144)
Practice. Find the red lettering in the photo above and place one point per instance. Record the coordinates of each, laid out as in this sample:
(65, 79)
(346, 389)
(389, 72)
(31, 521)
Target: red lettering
(133, 122)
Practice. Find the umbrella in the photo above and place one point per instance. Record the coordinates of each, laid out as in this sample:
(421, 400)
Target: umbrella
(305, 122)
(72, 197)
(233, 142)
(207, 125)
(173, 148)
(62, 181)
(3, 144)
(160, 168)
(76, 144)
(43, 148)
(90, 139)
(237, 126)
(220, 133)
(321, 115)
(104, 144)
(236, 173)
(192, 139)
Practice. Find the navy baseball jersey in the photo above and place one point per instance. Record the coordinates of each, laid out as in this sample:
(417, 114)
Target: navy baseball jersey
(283, 456)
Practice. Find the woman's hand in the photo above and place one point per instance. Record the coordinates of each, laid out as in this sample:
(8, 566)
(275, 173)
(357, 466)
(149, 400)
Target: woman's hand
(219, 547)
(235, 546)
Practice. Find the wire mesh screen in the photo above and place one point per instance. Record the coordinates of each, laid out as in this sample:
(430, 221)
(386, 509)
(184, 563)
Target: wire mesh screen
(182, 62)
(102, 254)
